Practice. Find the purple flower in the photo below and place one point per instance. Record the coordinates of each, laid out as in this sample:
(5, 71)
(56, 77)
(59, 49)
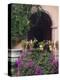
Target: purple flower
(23, 56)
(55, 62)
(29, 64)
(19, 62)
(55, 66)
(38, 70)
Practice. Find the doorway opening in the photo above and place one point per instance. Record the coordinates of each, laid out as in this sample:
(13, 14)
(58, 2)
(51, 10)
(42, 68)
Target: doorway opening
(40, 28)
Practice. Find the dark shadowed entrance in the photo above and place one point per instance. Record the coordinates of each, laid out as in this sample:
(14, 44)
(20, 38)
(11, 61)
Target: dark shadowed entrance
(40, 26)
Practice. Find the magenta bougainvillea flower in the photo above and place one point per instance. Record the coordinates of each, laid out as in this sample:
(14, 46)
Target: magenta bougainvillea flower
(19, 63)
(38, 70)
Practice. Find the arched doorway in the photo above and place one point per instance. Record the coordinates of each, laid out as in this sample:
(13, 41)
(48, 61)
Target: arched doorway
(40, 26)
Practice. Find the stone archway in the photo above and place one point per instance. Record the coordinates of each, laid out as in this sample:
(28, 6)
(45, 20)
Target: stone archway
(40, 27)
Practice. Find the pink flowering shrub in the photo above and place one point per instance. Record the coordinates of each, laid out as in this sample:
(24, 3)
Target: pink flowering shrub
(36, 63)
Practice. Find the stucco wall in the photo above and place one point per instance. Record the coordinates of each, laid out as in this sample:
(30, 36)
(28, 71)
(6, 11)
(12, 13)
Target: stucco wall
(53, 12)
